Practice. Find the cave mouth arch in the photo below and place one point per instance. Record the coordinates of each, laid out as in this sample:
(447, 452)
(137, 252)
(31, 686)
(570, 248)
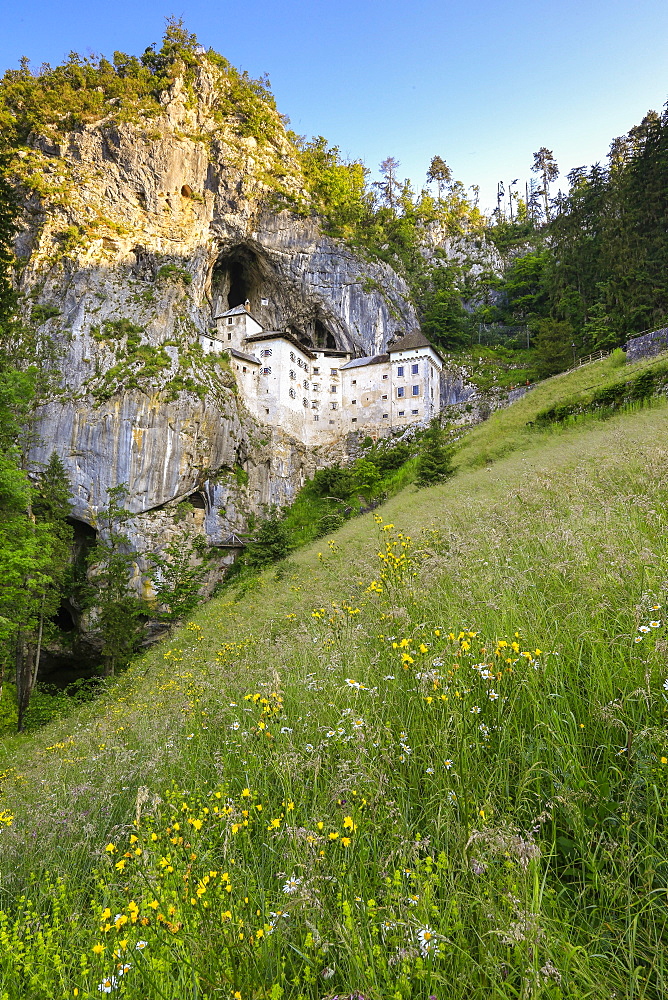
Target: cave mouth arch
(197, 500)
(238, 278)
(324, 338)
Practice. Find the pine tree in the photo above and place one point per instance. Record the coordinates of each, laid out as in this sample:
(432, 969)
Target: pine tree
(115, 604)
(435, 459)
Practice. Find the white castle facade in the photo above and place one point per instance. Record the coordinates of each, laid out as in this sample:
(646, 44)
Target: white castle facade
(318, 395)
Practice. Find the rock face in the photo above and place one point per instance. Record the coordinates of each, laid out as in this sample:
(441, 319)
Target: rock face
(134, 235)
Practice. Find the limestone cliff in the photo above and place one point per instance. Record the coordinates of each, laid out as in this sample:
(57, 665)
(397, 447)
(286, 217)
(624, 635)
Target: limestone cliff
(134, 233)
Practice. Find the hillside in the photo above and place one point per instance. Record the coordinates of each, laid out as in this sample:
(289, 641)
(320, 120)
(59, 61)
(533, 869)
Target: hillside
(425, 756)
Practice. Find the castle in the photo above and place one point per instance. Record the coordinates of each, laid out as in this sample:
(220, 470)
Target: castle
(320, 394)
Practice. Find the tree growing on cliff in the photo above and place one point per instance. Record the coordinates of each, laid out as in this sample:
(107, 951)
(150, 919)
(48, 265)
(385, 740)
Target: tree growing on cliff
(545, 164)
(439, 173)
(389, 186)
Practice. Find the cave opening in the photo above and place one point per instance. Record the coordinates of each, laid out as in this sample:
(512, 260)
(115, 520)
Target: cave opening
(324, 337)
(197, 501)
(63, 618)
(237, 279)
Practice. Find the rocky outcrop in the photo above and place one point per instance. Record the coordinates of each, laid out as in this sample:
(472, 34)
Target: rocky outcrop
(134, 235)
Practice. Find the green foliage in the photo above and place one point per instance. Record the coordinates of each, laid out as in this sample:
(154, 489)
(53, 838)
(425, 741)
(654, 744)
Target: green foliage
(472, 728)
(42, 313)
(553, 343)
(444, 319)
(138, 365)
(337, 189)
(171, 272)
(85, 89)
(639, 388)
(179, 568)
(434, 463)
(271, 543)
(617, 358)
(117, 609)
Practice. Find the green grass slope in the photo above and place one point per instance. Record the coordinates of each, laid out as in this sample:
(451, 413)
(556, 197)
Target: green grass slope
(426, 757)
(511, 427)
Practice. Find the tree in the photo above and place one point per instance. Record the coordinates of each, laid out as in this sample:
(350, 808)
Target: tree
(117, 608)
(545, 164)
(271, 543)
(440, 173)
(52, 537)
(178, 570)
(389, 187)
(553, 342)
(435, 459)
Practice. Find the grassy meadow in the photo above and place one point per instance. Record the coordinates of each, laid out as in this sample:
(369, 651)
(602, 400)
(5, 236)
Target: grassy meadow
(425, 757)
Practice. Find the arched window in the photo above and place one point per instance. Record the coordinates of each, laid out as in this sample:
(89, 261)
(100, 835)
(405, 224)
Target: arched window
(306, 383)
(266, 371)
(292, 355)
(305, 402)
(293, 374)
(293, 394)
(266, 353)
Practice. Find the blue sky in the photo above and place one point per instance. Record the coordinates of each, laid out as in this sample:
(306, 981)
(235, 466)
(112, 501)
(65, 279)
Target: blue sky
(482, 83)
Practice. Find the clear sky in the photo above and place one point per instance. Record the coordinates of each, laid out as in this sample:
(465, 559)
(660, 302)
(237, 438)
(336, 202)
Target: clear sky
(482, 83)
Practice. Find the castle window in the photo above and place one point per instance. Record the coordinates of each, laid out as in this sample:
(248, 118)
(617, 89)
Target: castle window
(293, 374)
(414, 412)
(316, 417)
(266, 353)
(331, 421)
(354, 382)
(293, 394)
(316, 371)
(266, 371)
(230, 321)
(401, 413)
(401, 391)
(306, 383)
(354, 402)
(333, 371)
(266, 409)
(384, 397)
(354, 420)
(229, 336)
(415, 369)
(400, 370)
(243, 369)
(305, 402)
(332, 388)
(385, 416)
(385, 376)
(292, 355)
(315, 404)
(333, 406)
(416, 390)
(316, 387)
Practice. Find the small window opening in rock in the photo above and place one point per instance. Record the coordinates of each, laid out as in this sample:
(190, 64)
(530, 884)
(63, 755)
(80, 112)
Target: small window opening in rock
(187, 191)
(197, 501)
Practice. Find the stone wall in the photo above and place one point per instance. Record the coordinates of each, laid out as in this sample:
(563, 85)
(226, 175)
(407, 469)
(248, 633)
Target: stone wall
(648, 345)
